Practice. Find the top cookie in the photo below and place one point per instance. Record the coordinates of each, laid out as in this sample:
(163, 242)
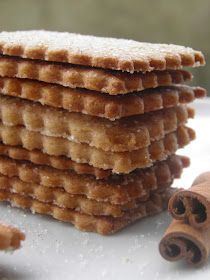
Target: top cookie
(109, 53)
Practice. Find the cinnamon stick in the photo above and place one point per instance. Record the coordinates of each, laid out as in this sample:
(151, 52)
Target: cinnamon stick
(193, 205)
(203, 177)
(182, 241)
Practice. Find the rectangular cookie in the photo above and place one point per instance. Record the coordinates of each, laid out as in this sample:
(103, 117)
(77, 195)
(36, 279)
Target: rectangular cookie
(118, 162)
(126, 134)
(100, 224)
(109, 82)
(97, 104)
(58, 162)
(10, 237)
(117, 189)
(118, 54)
(81, 203)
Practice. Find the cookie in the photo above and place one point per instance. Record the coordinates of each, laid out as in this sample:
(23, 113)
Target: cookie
(100, 224)
(60, 162)
(118, 54)
(126, 134)
(118, 162)
(10, 237)
(81, 203)
(97, 104)
(63, 163)
(117, 189)
(109, 82)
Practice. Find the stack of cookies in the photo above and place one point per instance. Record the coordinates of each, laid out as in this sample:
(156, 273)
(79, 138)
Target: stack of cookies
(90, 126)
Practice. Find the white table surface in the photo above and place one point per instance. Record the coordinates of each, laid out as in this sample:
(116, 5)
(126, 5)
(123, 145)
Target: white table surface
(55, 250)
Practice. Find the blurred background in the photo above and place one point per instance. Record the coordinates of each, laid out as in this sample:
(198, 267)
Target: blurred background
(185, 22)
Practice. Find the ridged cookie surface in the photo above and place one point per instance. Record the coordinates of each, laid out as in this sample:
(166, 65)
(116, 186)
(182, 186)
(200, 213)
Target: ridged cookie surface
(100, 224)
(106, 81)
(126, 134)
(81, 203)
(58, 162)
(118, 189)
(118, 162)
(118, 54)
(97, 104)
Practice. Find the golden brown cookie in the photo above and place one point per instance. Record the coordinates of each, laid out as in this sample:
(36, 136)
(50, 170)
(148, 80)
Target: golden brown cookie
(10, 237)
(81, 203)
(118, 54)
(117, 189)
(111, 82)
(126, 134)
(97, 104)
(100, 224)
(118, 162)
(60, 162)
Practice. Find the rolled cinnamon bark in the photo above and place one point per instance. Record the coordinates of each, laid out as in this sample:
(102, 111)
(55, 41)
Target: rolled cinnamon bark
(181, 241)
(193, 205)
(203, 177)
